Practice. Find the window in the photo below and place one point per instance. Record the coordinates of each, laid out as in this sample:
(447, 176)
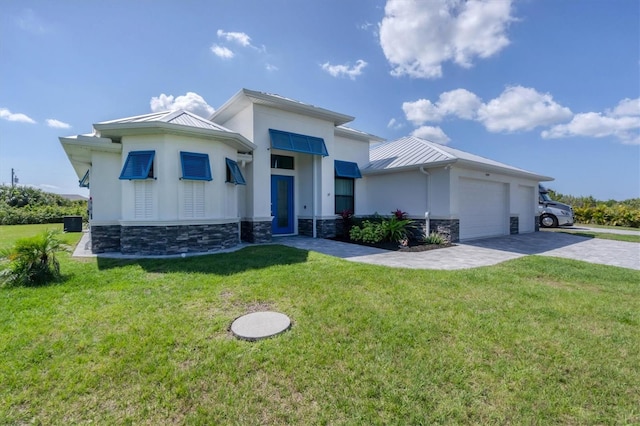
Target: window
(281, 162)
(344, 190)
(346, 173)
(299, 143)
(195, 166)
(84, 182)
(347, 169)
(234, 175)
(139, 165)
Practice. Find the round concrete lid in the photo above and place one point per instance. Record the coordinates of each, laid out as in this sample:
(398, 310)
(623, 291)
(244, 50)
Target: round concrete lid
(260, 325)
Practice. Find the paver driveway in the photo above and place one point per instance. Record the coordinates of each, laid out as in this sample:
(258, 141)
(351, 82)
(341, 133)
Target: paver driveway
(484, 252)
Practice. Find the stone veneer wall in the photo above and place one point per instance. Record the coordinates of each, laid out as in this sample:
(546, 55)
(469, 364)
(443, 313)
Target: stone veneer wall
(514, 225)
(255, 232)
(448, 228)
(163, 240)
(105, 238)
(325, 228)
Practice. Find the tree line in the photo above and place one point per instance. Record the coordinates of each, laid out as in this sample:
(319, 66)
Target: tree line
(26, 205)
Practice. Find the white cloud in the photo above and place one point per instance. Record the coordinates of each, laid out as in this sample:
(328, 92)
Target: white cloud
(433, 134)
(242, 39)
(271, 67)
(190, 102)
(626, 107)
(222, 52)
(57, 124)
(5, 114)
(395, 124)
(345, 70)
(521, 108)
(460, 102)
(417, 37)
(623, 122)
(30, 22)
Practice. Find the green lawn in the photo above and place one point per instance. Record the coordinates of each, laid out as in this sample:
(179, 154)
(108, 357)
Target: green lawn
(536, 340)
(601, 235)
(591, 225)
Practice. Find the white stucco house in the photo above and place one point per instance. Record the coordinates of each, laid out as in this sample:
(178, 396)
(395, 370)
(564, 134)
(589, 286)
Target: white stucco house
(263, 165)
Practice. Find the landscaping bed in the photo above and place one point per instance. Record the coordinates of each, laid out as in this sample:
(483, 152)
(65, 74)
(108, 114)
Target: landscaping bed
(413, 246)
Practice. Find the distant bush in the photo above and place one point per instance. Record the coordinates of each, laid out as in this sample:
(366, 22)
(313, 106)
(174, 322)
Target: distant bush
(597, 212)
(23, 205)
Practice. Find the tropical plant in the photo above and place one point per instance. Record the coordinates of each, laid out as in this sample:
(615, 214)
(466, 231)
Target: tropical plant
(395, 229)
(434, 238)
(32, 261)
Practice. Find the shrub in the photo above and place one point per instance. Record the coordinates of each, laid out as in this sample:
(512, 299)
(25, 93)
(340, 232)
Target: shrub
(32, 261)
(367, 232)
(434, 238)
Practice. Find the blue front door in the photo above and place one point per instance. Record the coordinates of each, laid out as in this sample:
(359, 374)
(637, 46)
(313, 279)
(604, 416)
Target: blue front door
(282, 204)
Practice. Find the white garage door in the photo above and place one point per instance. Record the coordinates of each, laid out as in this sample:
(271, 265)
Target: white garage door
(483, 209)
(525, 207)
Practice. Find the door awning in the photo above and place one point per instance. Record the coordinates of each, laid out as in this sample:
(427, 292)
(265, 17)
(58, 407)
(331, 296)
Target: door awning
(288, 141)
(347, 169)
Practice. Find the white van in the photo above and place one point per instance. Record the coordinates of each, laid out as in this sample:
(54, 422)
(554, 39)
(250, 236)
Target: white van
(552, 213)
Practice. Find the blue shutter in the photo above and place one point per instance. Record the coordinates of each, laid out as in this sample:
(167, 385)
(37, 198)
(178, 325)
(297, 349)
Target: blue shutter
(288, 141)
(234, 173)
(84, 182)
(138, 165)
(347, 169)
(195, 166)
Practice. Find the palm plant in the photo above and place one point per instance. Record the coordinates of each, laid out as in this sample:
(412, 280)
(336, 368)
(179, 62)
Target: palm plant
(32, 261)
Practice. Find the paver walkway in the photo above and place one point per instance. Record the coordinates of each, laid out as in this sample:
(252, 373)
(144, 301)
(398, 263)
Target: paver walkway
(484, 252)
(471, 254)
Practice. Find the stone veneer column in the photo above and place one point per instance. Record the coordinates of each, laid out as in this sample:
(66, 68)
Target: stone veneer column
(105, 238)
(448, 228)
(514, 225)
(255, 232)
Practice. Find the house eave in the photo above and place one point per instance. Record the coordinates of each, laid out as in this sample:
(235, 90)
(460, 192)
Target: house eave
(119, 130)
(434, 165)
(503, 170)
(357, 134)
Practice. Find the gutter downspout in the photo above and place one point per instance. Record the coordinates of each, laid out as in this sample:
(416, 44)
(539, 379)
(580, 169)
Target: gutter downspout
(426, 214)
(313, 195)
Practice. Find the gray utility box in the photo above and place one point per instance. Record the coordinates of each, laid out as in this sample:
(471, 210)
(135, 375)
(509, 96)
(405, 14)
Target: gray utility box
(72, 223)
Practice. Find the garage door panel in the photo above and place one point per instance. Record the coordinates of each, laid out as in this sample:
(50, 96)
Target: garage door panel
(483, 208)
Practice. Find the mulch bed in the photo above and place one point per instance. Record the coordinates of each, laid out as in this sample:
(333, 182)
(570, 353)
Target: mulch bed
(414, 246)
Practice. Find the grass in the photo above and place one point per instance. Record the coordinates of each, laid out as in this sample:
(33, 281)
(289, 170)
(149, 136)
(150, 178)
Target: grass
(536, 340)
(591, 225)
(601, 235)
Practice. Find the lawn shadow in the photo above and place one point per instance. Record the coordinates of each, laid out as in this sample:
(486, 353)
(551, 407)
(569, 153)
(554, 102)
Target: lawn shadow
(248, 258)
(533, 243)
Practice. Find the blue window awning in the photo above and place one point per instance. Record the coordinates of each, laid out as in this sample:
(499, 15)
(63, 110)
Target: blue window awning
(234, 175)
(347, 169)
(288, 141)
(84, 182)
(139, 165)
(195, 166)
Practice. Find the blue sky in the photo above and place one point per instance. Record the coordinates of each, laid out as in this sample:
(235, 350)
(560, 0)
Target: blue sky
(545, 85)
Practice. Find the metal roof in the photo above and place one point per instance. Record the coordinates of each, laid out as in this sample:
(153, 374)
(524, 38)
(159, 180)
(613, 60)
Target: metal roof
(245, 96)
(413, 152)
(180, 117)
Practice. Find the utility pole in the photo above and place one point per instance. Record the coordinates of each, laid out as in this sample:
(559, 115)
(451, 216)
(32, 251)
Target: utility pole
(14, 178)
